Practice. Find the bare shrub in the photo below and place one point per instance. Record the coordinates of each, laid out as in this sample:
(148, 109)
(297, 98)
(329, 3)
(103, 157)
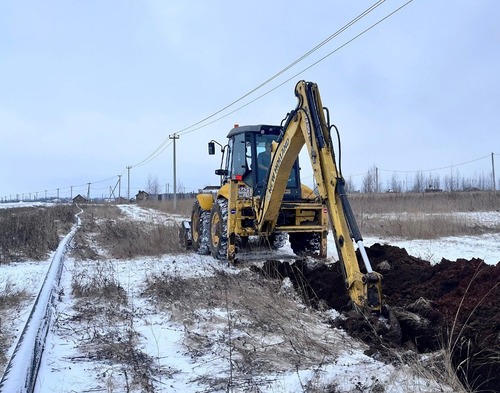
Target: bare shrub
(10, 299)
(440, 202)
(97, 280)
(104, 229)
(31, 233)
(125, 239)
(105, 320)
(184, 206)
(422, 216)
(421, 226)
(261, 327)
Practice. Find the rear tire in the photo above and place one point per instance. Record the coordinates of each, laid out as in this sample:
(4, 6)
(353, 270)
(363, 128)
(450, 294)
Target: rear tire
(306, 243)
(218, 229)
(200, 221)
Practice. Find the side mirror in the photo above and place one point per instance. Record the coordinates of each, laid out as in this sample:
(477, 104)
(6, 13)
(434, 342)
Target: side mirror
(211, 148)
(221, 172)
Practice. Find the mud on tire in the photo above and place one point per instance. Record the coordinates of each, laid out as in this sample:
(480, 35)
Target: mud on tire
(277, 240)
(218, 229)
(307, 243)
(200, 221)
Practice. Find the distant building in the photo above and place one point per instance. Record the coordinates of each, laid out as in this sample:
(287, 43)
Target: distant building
(142, 196)
(79, 199)
(209, 190)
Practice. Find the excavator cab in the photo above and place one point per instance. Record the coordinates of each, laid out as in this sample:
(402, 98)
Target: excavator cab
(249, 155)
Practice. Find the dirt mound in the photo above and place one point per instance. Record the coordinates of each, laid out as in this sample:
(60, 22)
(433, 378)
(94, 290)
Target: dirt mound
(462, 302)
(456, 303)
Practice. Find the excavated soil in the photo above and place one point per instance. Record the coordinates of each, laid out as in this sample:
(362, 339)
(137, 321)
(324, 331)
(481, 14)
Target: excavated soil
(453, 305)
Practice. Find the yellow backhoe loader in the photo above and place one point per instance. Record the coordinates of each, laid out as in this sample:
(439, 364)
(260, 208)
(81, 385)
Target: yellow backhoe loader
(261, 197)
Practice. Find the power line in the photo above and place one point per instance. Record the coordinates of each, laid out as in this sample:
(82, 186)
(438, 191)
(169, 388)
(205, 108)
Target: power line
(283, 70)
(193, 127)
(436, 169)
(198, 125)
(183, 132)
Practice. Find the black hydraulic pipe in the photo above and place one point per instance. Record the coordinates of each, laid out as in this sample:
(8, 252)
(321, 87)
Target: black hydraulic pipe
(316, 123)
(349, 215)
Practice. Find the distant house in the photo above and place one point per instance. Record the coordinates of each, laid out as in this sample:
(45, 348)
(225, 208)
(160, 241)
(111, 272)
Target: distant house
(79, 199)
(432, 189)
(209, 190)
(142, 196)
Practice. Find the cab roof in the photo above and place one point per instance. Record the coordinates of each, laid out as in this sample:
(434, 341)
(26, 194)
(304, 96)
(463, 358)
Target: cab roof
(260, 128)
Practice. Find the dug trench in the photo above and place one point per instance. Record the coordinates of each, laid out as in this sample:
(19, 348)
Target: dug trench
(452, 306)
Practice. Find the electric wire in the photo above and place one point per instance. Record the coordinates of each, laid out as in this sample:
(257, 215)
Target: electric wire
(196, 126)
(282, 71)
(437, 169)
(297, 74)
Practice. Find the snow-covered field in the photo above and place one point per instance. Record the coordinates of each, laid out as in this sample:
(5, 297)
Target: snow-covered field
(485, 247)
(165, 336)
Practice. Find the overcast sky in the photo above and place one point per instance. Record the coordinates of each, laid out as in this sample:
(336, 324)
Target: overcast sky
(88, 88)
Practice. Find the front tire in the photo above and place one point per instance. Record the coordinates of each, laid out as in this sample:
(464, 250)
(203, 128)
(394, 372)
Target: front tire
(278, 240)
(200, 221)
(218, 229)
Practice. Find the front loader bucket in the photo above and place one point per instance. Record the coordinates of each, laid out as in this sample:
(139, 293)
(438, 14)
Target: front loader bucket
(185, 238)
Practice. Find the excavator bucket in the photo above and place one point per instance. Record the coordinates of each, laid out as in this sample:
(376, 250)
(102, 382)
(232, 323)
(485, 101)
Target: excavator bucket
(185, 238)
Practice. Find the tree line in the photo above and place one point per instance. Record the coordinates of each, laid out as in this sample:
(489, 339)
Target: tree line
(421, 181)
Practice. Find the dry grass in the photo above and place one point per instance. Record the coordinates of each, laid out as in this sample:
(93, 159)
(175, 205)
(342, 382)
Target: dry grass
(443, 202)
(421, 226)
(258, 326)
(31, 233)
(184, 206)
(10, 299)
(105, 232)
(423, 216)
(103, 321)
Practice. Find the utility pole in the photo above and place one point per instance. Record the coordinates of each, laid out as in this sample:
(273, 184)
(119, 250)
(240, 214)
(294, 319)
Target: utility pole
(493, 171)
(71, 192)
(174, 137)
(128, 183)
(119, 187)
(88, 192)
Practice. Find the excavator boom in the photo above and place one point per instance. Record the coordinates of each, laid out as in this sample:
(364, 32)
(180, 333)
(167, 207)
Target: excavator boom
(306, 125)
(261, 197)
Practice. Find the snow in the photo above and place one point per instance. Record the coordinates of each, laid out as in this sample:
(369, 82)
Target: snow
(485, 247)
(13, 205)
(165, 339)
(35, 331)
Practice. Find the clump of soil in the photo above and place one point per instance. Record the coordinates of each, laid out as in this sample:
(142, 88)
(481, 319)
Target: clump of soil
(454, 304)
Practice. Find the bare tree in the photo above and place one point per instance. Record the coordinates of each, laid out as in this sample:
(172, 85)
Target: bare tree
(418, 182)
(369, 181)
(153, 185)
(396, 185)
(452, 181)
(349, 185)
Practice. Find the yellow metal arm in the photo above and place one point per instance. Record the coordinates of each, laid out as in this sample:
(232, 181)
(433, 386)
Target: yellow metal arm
(306, 125)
